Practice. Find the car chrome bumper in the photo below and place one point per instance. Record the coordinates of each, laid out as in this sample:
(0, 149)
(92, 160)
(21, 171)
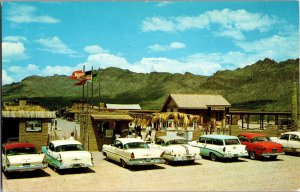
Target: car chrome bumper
(184, 158)
(25, 168)
(77, 165)
(146, 161)
(271, 154)
(234, 155)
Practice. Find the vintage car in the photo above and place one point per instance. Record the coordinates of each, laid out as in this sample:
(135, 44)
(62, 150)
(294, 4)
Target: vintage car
(132, 151)
(259, 145)
(21, 156)
(220, 146)
(290, 141)
(66, 154)
(176, 149)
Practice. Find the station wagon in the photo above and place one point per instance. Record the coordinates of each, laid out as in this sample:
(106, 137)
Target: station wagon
(220, 146)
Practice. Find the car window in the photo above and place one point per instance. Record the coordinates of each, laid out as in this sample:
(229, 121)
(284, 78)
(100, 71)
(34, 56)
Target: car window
(284, 137)
(51, 146)
(294, 137)
(176, 141)
(232, 141)
(202, 140)
(159, 142)
(136, 145)
(21, 151)
(217, 141)
(70, 147)
(260, 138)
(209, 141)
(243, 138)
(118, 144)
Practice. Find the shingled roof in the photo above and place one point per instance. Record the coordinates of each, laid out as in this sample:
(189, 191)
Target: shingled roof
(196, 101)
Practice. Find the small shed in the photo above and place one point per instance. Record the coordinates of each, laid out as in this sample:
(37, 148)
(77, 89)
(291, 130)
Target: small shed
(26, 122)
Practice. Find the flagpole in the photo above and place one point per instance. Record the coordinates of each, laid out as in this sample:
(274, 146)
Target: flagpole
(92, 89)
(83, 91)
(99, 86)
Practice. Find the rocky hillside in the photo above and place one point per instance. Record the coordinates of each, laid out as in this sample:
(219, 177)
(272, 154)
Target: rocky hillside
(265, 85)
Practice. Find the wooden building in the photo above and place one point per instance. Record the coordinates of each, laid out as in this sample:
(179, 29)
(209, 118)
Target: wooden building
(205, 109)
(26, 122)
(101, 127)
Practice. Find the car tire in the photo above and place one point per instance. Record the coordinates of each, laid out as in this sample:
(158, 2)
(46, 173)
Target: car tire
(274, 157)
(213, 156)
(252, 155)
(124, 165)
(167, 162)
(105, 156)
(235, 158)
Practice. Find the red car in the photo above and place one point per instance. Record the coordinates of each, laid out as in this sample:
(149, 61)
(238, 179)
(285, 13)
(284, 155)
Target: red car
(259, 145)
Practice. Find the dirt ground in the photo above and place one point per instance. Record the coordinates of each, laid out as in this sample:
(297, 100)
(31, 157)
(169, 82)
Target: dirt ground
(204, 175)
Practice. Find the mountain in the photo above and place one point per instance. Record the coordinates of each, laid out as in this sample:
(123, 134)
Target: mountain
(265, 85)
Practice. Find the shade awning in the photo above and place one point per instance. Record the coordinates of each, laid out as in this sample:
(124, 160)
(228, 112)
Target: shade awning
(113, 117)
(29, 114)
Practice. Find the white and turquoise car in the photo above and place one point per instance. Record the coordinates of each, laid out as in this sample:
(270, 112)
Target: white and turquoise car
(220, 146)
(67, 154)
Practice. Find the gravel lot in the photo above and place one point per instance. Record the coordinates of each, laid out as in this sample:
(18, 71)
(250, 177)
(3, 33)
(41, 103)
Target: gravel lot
(204, 175)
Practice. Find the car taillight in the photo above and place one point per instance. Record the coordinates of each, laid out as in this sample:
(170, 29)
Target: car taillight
(162, 154)
(224, 149)
(59, 158)
(132, 155)
(7, 162)
(92, 159)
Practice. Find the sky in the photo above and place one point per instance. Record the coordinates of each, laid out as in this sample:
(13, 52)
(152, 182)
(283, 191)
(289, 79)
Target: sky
(200, 37)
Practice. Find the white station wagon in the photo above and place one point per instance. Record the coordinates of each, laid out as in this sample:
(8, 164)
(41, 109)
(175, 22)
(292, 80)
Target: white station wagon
(21, 156)
(176, 149)
(290, 141)
(220, 146)
(66, 154)
(132, 151)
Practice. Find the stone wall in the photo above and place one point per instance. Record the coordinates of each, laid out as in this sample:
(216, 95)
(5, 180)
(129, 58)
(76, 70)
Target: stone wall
(38, 138)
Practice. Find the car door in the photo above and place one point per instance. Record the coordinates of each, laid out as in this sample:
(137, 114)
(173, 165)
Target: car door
(284, 140)
(205, 146)
(293, 142)
(51, 155)
(118, 150)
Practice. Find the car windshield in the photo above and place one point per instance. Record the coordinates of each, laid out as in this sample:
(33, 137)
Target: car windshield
(232, 142)
(136, 145)
(70, 147)
(260, 138)
(21, 151)
(176, 141)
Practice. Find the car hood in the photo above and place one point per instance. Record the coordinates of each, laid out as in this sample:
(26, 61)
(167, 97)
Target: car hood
(30, 158)
(146, 153)
(269, 144)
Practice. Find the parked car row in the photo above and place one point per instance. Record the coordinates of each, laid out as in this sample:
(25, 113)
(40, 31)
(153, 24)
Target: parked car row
(69, 154)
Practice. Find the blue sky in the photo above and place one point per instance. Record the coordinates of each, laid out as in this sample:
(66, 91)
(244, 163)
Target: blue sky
(202, 37)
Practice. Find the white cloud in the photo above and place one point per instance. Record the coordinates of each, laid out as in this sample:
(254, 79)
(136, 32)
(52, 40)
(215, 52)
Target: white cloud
(229, 23)
(13, 51)
(157, 24)
(276, 47)
(15, 38)
(58, 70)
(6, 79)
(28, 14)
(164, 3)
(171, 46)
(94, 49)
(56, 46)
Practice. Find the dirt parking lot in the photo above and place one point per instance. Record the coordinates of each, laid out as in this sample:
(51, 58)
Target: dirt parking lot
(204, 175)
